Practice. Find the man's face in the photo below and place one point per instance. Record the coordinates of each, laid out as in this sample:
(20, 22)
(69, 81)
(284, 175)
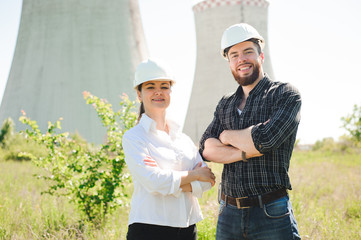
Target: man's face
(245, 63)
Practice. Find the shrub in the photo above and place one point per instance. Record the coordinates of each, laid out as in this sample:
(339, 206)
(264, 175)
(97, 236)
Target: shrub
(16, 147)
(352, 123)
(326, 144)
(6, 133)
(91, 178)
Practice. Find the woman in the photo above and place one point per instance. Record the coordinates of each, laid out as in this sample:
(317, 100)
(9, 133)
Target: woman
(167, 170)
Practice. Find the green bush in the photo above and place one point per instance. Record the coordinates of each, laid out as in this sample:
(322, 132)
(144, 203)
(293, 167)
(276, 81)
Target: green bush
(326, 144)
(19, 148)
(90, 177)
(352, 123)
(6, 132)
(344, 144)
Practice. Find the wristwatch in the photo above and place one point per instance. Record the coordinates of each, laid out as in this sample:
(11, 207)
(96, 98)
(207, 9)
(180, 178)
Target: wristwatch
(244, 159)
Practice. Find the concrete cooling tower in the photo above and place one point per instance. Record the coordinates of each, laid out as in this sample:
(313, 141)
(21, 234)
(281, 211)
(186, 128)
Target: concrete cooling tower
(67, 47)
(213, 78)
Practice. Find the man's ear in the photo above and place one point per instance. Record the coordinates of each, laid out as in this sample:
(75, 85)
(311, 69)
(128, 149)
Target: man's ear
(262, 57)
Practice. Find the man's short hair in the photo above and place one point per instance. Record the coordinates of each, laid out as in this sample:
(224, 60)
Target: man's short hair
(254, 40)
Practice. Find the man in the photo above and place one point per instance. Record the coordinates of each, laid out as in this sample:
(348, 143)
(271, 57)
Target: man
(253, 133)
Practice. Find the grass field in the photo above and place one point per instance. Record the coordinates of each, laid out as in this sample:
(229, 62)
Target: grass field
(326, 198)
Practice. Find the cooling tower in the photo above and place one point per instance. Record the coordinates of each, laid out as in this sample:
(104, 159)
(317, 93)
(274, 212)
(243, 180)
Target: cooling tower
(213, 78)
(65, 47)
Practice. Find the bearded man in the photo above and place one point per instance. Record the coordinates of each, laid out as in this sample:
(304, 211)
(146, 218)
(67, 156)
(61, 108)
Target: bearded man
(253, 134)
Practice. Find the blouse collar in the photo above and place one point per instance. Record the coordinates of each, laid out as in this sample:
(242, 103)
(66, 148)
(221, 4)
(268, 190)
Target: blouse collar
(150, 125)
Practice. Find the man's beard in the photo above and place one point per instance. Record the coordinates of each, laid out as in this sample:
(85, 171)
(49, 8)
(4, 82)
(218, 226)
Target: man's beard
(245, 81)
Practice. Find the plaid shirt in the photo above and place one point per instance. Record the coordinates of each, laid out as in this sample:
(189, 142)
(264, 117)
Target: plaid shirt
(279, 102)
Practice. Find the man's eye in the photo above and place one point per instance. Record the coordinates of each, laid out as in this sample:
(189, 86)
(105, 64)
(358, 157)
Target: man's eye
(165, 87)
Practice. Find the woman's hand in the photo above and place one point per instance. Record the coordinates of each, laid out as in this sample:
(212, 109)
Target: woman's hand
(150, 162)
(186, 187)
(204, 174)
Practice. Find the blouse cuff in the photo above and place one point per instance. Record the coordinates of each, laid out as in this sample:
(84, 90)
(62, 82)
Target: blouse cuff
(196, 189)
(177, 178)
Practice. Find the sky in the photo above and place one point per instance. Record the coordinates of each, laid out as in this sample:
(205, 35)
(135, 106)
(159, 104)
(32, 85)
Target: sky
(314, 45)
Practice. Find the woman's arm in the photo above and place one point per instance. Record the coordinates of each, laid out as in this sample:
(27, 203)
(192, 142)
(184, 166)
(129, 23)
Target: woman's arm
(197, 187)
(153, 179)
(199, 173)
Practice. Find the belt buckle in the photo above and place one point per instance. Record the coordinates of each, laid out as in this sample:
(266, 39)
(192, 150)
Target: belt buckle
(238, 204)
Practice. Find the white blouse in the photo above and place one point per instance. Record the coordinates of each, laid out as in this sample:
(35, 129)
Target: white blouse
(157, 197)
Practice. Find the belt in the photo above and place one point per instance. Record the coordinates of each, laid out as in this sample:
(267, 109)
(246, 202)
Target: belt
(247, 202)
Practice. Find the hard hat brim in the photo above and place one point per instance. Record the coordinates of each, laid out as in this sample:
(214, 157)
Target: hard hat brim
(261, 44)
(156, 79)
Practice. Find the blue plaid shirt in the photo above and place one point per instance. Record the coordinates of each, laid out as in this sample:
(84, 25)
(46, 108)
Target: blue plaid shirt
(279, 102)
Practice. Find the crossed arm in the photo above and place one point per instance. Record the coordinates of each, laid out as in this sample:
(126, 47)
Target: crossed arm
(269, 135)
(199, 173)
(228, 148)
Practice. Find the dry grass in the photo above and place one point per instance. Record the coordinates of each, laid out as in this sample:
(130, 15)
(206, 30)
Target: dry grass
(327, 195)
(26, 214)
(326, 198)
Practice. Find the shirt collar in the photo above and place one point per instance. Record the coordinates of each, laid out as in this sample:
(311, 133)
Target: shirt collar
(150, 125)
(147, 123)
(260, 86)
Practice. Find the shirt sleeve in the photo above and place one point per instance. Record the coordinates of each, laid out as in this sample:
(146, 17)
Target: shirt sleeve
(213, 130)
(283, 122)
(153, 179)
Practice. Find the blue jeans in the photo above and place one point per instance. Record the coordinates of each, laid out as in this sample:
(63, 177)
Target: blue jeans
(274, 221)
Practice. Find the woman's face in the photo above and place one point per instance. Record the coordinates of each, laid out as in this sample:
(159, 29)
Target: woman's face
(155, 95)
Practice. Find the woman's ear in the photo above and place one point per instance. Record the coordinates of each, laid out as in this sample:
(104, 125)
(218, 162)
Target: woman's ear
(139, 95)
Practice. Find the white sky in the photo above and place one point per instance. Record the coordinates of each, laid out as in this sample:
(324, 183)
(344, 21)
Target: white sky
(315, 45)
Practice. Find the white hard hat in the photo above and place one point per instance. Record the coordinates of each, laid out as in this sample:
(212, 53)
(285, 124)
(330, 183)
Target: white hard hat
(152, 70)
(239, 33)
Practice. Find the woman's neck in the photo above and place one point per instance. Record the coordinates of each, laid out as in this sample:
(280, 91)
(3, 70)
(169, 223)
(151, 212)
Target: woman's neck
(160, 120)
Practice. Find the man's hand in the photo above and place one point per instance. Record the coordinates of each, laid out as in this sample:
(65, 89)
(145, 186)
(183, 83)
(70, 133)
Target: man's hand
(236, 138)
(240, 139)
(224, 137)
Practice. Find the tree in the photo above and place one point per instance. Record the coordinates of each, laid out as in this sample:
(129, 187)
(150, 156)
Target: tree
(352, 124)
